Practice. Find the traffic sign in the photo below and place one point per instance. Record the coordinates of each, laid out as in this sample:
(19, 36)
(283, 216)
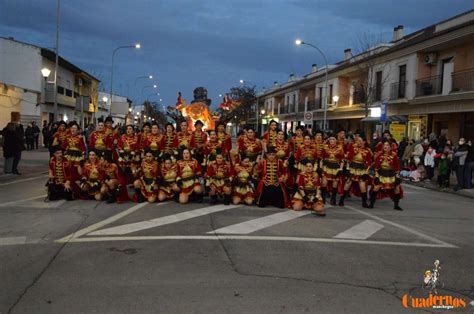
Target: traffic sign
(308, 116)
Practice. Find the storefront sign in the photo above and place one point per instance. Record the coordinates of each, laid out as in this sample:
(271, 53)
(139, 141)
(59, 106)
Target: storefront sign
(398, 131)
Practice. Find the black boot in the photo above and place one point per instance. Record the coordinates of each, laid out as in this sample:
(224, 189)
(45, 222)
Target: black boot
(199, 198)
(364, 200)
(333, 196)
(341, 199)
(214, 199)
(112, 197)
(373, 197)
(324, 192)
(226, 199)
(396, 200)
(140, 197)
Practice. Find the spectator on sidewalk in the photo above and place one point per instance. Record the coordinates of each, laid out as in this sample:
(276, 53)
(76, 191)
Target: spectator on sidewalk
(29, 137)
(13, 135)
(401, 149)
(469, 166)
(46, 135)
(429, 161)
(375, 140)
(443, 171)
(418, 151)
(459, 162)
(408, 153)
(36, 133)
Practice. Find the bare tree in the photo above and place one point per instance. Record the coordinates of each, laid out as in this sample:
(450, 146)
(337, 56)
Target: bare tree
(373, 74)
(242, 99)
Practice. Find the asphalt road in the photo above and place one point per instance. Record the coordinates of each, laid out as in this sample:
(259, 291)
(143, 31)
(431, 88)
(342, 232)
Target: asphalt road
(89, 257)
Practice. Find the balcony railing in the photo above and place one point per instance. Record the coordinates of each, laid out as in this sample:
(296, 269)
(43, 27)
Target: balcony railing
(398, 90)
(428, 86)
(463, 81)
(313, 105)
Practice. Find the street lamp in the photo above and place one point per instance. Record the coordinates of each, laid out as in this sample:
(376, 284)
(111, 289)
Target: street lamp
(136, 46)
(143, 77)
(299, 42)
(335, 99)
(45, 72)
(148, 86)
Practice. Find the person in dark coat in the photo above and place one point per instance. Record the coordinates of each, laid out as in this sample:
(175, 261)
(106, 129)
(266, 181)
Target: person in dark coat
(36, 134)
(46, 135)
(30, 137)
(13, 135)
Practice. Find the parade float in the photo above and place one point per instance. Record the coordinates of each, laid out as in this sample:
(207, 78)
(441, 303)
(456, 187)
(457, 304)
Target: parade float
(198, 109)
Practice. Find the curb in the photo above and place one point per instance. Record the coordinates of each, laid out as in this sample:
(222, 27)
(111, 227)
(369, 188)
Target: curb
(435, 188)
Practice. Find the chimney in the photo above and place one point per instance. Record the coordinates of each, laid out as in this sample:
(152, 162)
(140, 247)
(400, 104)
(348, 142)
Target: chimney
(314, 68)
(347, 54)
(397, 33)
(291, 78)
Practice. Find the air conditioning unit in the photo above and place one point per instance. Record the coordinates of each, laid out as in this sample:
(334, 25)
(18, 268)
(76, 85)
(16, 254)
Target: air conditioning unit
(431, 59)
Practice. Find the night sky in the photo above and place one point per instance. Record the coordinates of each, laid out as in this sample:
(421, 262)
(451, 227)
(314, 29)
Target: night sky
(191, 43)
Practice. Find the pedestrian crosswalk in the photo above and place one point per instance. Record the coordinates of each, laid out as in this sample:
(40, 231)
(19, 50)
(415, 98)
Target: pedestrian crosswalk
(239, 222)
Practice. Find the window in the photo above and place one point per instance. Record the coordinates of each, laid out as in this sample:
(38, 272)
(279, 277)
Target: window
(402, 78)
(60, 90)
(378, 86)
(68, 92)
(330, 94)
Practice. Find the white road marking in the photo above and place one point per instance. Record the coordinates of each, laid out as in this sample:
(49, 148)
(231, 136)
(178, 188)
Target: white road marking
(147, 224)
(258, 238)
(12, 203)
(361, 231)
(12, 241)
(407, 229)
(261, 223)
(23, 180)
(414, 187)
(102, 223)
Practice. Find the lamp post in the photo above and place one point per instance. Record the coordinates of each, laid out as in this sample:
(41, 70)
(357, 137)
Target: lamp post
(136, 46)
(299, 42)
(56, 65)
(150, 77)
(148, 86)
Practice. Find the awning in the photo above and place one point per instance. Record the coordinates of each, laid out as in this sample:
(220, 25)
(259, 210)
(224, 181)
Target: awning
(389, 119)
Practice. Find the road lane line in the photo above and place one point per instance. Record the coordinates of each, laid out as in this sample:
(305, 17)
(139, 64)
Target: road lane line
(147, 224)
(407, 229)
(23, 180)
(410, 186)
(259, 238)
(104, 222)
(361, 231)
(22, 201)
(253, 225)
(12, 241)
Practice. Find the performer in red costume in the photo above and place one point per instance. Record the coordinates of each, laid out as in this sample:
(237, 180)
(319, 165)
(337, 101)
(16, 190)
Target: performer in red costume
(308, 195)
(142, 136)
(333, 162)
(169, 142)
(219, 178)
(189, 172)
(224, 138)
(99, 141)
(169, 173)
(153, 141)
(74, 149)
(129, 153)
(250, 146)
(211, 147)
(243, 190)
(183, 137)
(146, 187)
(387, 177)
(60, 135)
(92, 177)
(198, 139)
(269, 137)
(272, 174)
(60, 182)
(114, 183)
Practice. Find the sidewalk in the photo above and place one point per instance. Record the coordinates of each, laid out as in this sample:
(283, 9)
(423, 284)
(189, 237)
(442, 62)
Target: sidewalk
(433, 185)
(33, 163)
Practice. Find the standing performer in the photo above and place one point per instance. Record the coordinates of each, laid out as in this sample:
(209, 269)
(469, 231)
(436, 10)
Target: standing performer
(169, 142)
(387, 136)
(128, 153)
(282, 147)
(189, 172)
(153, 141)
(113, 138)
(387, 177)
(146, 187)
(99, 141)
(60, 135)
(243, 187)
(211, 147)
(272, 174)
(359, 158)
(306, 152)
(308, 195)
(60, 184)
(219, 178)
(92, 177)
(198, 139)
(270, 137)
(250, 146)
(184, 137)
(142, 136)
(294, 143)
(224, 138)
(333, 161)
(167, 187)
(74, 149)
